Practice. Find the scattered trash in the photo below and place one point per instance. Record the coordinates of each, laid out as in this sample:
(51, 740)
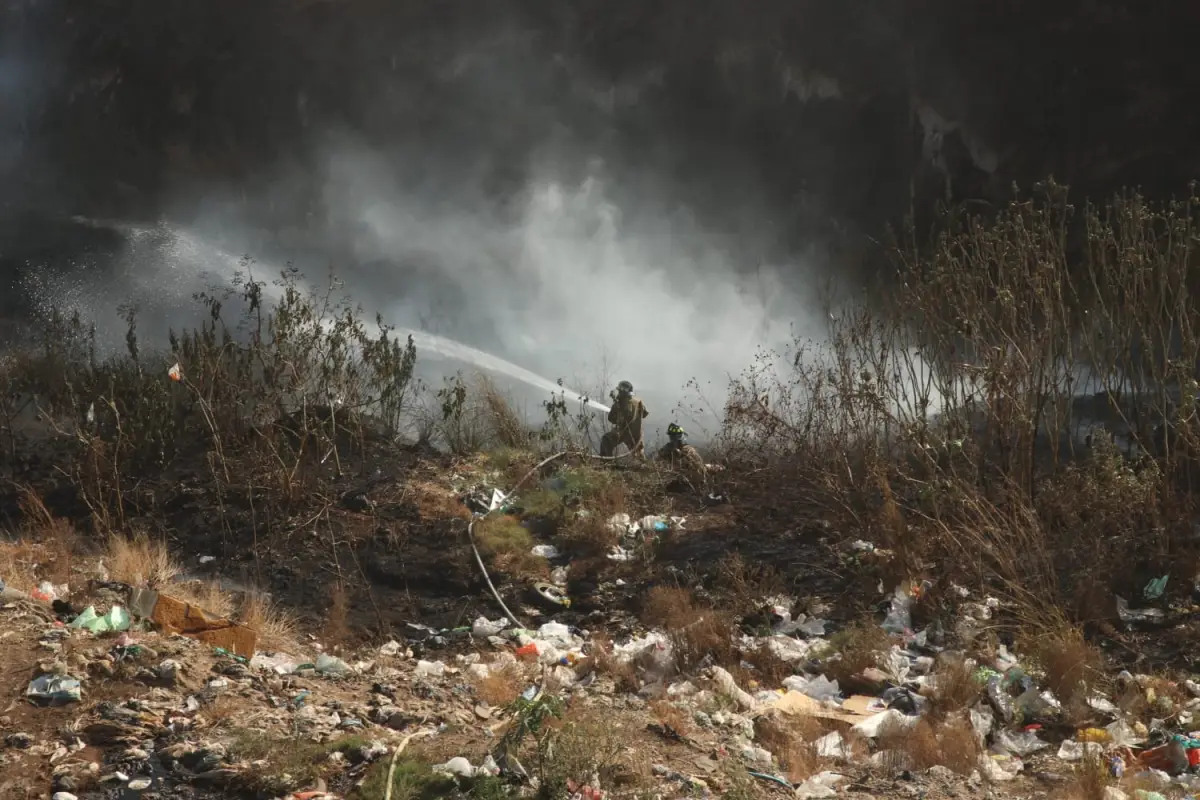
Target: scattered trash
(551, 594)
(430, 669)
(819, 786)
(484, 627)
(545, 551)
(899, 616)
(1129, 615)
(117, 619)
(176, 616)
(54, 690)
(331, 665)
(1155, 588)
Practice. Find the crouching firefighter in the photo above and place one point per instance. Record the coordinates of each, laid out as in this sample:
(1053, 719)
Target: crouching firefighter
(682, 457)
(626, 418)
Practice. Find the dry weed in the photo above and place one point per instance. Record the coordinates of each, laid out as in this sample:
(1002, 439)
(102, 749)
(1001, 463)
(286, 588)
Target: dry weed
(1067, 661)
(696, 632)
(278, 629)
(590, 534)
(601, 659)
(954, 689)
(792, 740)
(1091, 778)
(207, 595)
(744, 585)
(671, 715)
(20, 564)
(507, 427)
(140, 561)
(501, 686)
(57, 535)
(336, 628)
(951, 744)
(856, 647)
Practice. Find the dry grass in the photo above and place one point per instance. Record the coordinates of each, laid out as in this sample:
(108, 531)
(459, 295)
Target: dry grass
(207, 595)
(1067, 661)
(671, 715)
(58, 536)
(502, 685)
(140, 561)
(221, 712)
(695, 631)
(1090, 778)
(278, 629)
(507, 427)
(590, 534)
(507, 544)
(21, 564)
(955, 689)
(744, 585)
(601, 659)
(857, 647)
(336, 627)
(791, 739)
(951, 744)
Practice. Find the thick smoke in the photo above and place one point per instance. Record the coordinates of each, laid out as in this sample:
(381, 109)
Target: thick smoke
(537, 234)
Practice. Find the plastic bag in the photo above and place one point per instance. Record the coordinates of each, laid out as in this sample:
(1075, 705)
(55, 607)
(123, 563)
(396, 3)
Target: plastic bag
(1000, 699)
(117, 619)
(899, 616)
(484, 627)
(1022, 744)
(331, 665)
(54, 690)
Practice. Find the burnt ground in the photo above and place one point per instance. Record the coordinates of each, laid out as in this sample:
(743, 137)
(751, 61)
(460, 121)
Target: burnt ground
(385, 544)
(360, 555)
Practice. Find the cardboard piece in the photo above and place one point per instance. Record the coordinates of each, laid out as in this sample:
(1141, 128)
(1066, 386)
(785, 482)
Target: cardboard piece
(853, 710)
(176, 616)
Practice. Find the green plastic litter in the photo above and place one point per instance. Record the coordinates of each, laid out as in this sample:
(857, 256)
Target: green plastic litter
(117, 619)
(1155, 588)
(221, 651)
(985, 674)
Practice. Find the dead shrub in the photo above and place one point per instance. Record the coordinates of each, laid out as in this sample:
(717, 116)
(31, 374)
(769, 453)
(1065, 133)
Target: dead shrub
(696, 632)
(601, 659)
(671, 715)
(590, 534)
(792, 738)
(954, 688)
(764, 666)
(278, 629)
(507, 544)
(501, 686)
(951, 744)
(855, 648)
(207, 595)
(20, 564)
(57, 535)
(1090, 778)
(140, 561)
(336, 627)
(745, 585)
(507, 427)
(1067, 661)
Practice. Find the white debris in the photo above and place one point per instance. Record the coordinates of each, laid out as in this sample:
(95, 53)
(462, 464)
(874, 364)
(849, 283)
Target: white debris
(430, 669)
(484, 627)
(819, 786)
(1072, 750)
